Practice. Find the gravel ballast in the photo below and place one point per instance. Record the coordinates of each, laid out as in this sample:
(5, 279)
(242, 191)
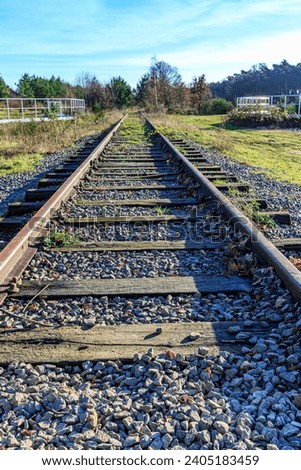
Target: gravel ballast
(280, 195)
(249, 400)
(14, 186)
(89, 265)
(199, 402)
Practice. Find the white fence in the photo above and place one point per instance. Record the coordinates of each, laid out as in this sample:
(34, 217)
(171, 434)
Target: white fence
(18, 109)
(268, 101)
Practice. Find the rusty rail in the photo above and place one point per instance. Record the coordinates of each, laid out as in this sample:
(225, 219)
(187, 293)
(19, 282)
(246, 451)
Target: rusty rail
(17, 253)
(265, 249)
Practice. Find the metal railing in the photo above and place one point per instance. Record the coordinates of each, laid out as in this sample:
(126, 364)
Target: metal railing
(268, 101)
(18, 109)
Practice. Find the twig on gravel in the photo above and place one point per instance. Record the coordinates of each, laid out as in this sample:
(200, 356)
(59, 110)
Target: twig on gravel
(35, 296)
(20, 317)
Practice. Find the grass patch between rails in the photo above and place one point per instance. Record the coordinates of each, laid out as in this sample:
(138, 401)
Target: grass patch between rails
(276, 153)
(23, 144)
(134, 131)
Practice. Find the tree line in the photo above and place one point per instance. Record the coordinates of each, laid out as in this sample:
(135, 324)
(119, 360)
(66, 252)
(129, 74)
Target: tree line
(162, 88)
(280, 79)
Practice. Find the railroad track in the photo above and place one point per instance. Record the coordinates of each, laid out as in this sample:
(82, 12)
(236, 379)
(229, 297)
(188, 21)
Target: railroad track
(135, 315)
(135, 202)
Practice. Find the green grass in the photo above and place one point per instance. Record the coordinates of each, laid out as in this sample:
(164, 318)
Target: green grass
(135, 131)
(233, 192)
(264, 220)
(218, 181)
(162, 210)
(19, 163)
(132, 129)
(252, 211)
(276, 153)
(60, 239)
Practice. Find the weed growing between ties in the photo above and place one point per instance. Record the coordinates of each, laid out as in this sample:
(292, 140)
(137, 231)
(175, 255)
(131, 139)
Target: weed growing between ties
(252, 211)
(233, 192)
(180, 149)
(276, 153)
(162, 210)
(54, 239)
(23, 144)
(218, 181)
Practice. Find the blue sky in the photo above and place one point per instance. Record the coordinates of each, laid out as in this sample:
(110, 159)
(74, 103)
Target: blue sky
(114, 37)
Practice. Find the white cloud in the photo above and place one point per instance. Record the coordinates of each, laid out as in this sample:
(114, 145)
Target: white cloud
(215, 37)
(236, 55)
(55, 27)
(218, 60)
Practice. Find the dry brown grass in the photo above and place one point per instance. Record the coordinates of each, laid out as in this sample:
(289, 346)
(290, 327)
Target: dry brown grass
(23, 144)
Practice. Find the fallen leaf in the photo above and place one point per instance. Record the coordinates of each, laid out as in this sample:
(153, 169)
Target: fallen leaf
(296, 262)
(170, 354)
(26, 432)
(186, 398)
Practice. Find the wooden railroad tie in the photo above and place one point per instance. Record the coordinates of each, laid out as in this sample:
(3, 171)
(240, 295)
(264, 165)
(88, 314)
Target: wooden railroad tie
(72, 344)
(45, 182)
(282, 217)
(225, 178)
(171, 176)
(10, 224)
(136, 188)
(213, 174)
(127, 167)
(133, 158)
(288, 243)
(40, 194)
(135, 286)
(58, 175)
(63, 168)
(160, 245)
(239, 186)
(141, 202)
(129, 219)
(196, 159)
(261, 203)
(137, 161)
(19, 208)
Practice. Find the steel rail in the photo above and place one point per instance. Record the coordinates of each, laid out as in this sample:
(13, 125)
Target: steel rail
(265, 249)
(17, 253)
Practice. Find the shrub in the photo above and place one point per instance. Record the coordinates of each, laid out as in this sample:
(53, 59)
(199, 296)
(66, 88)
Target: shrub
(254, 116)
(216, 106)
